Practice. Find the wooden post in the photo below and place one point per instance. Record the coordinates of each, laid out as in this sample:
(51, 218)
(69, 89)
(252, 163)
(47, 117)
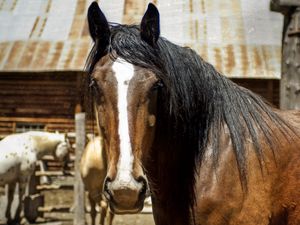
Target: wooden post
(290, 81)
(79, 210)
(289, 2)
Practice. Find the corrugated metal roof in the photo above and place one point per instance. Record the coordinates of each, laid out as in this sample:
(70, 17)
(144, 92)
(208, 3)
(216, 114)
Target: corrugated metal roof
(241, 38)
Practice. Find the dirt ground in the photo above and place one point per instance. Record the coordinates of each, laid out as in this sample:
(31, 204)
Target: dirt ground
(59, 197)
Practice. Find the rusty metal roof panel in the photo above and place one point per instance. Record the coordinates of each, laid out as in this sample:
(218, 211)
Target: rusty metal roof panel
(240, 38)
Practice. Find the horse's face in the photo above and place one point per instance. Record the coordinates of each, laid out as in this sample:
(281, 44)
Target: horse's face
(125, 100)
(125, 105)
(62, 149)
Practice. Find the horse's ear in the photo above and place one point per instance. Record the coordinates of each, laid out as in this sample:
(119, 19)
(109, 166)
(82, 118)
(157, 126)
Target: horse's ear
(98, 25)
(150, 25)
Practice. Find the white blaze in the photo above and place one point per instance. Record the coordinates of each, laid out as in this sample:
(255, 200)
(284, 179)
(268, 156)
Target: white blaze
(124, 72)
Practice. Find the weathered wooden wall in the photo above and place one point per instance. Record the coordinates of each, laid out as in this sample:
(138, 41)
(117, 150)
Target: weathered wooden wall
(268, 89)
(46, 99)
(52, 95)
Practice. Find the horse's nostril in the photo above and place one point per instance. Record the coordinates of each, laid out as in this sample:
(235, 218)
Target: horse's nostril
(143, 190)
(143, 181)
(106, 190)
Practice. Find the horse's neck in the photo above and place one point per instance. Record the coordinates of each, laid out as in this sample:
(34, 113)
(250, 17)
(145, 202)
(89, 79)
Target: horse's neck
(45, 144)
(169, 209)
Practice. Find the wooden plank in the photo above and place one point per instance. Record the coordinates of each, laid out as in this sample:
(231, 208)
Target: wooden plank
(37, 120)
(59, 208)
(289, 2)
(45, 187)
(54, 173)
(51, 158)
(79, 193)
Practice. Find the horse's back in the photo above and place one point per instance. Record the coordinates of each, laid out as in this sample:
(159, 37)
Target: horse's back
(289, 197)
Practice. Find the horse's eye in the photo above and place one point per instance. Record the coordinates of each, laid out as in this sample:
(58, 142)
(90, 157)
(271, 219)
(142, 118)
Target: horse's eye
(157, 85)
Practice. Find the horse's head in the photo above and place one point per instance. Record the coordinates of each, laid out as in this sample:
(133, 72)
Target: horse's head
(62, 149)
(125, 105)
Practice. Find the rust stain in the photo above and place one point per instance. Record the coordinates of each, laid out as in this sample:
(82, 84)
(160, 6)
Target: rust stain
(236, 6)
(2, 4)
(52, 63)
(41, 55)
(203, 6)
(48, 6)
(34, 26)
(42, 27)
(85, 30)
(70, 57)
(203, 52)
(127, 5)
(191, 6)
(218, 59)
(13, 5)
(133, 11)
(81, 55)
(257, 59)
(204, 30)
(4, 49)
(80, 7)
(14, 55)
(244, 59)
(77, 26)
(230, 64)
(27, 56)
(266, 56)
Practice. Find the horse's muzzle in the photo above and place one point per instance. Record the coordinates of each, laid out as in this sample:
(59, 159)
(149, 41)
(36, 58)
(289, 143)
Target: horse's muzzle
(126, 197)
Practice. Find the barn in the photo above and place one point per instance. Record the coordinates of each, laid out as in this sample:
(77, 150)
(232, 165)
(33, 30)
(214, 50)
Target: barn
(44, 45)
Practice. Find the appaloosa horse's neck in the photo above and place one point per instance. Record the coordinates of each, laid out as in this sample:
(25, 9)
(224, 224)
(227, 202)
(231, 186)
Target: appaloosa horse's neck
(45, 143)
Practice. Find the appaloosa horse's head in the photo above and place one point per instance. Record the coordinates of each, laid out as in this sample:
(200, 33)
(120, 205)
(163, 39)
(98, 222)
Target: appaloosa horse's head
(63, 148)
(125, 103)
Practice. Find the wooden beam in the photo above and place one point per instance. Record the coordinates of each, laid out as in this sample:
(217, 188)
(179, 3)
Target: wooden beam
(54, 173)
(45, 187)
(289, 2)
(59, 208)
(290, 82)
(79, 211)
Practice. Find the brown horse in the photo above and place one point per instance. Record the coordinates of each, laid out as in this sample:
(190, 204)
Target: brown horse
(211, 152)
(93, 171)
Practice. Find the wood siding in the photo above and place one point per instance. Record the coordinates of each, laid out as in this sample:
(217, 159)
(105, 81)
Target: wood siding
(46, 99)
(51, 95)
(268, 89)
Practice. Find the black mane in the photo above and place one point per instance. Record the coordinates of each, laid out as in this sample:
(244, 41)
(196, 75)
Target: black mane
(197, 101)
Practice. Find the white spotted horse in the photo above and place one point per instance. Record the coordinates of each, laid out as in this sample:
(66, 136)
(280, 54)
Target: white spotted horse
(18, 156)
(209, 151)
